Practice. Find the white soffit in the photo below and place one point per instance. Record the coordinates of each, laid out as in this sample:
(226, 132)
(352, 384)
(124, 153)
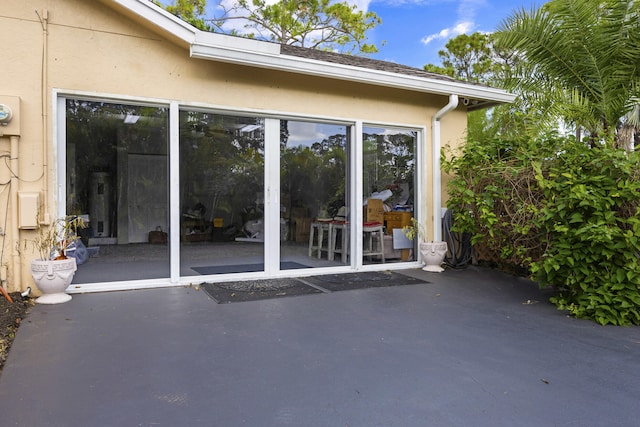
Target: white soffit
(256, 53)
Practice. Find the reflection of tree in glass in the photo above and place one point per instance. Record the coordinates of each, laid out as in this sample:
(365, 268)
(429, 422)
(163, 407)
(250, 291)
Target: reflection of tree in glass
(222, 160)
(389, 161)
(314, 177)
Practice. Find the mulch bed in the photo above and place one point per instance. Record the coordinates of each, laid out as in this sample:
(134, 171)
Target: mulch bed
(11, 315)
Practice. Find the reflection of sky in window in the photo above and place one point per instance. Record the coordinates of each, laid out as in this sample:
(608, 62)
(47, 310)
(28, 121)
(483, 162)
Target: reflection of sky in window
(372, 131)
(305, 133)
(387, 132)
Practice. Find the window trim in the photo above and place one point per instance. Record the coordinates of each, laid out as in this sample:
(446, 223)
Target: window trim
(58, 189)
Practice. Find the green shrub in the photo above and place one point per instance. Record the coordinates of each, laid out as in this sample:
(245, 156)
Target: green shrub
(590, 215)
(495, 197)
(566, 212)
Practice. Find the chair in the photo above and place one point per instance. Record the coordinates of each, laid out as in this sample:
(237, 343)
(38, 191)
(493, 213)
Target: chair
(316, 232)
(339, 228)
(368, 232)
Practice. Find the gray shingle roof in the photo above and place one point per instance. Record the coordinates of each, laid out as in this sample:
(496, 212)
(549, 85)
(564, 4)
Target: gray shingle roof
(358, 61)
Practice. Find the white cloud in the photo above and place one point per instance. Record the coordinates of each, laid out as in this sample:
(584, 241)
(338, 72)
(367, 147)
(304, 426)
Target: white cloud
(446, 33)
(465, 21)
(467, 9)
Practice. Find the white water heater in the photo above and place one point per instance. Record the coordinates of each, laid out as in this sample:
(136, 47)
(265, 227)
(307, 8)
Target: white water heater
(99, 201)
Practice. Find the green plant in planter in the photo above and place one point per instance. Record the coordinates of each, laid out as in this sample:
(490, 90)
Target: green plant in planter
(414, 230)
(432, 253)
(53, 271)
(52, 242)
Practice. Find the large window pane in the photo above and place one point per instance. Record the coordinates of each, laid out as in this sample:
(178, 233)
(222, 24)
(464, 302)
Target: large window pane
(389, 159)
(314, 196)
(221, 193)
(116, 176)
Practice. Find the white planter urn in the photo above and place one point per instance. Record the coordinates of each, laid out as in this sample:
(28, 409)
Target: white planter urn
(433, 255)
(52, 277)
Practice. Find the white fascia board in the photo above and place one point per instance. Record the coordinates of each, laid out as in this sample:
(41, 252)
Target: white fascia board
(235, 43)
(295, 64)
(159, 17)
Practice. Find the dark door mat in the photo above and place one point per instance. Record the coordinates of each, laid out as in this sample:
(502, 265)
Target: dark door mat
(362, 280)
(243, 268)
(253, 290)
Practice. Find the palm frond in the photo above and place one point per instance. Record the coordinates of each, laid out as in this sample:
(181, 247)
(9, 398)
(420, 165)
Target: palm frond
(588, 49)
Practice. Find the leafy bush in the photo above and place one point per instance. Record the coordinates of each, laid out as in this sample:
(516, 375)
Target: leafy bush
(565, 212)
(590, 215)
(495, 197)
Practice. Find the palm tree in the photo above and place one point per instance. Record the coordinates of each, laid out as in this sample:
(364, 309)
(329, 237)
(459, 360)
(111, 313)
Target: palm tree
(630, 127)
(582, 61)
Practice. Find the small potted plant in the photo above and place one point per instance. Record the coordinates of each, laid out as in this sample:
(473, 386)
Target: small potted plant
(432, 253)
(53, 271)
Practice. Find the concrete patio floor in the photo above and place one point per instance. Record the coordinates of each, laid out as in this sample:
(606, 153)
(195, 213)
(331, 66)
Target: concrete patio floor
(473, 347)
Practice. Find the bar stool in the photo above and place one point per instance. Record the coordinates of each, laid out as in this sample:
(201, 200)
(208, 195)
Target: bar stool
(318, 245)
(368, 231)
(343, 249)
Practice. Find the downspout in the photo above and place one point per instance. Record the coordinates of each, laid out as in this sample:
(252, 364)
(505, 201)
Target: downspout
(437, 182)
(15, 231)
(44, 21)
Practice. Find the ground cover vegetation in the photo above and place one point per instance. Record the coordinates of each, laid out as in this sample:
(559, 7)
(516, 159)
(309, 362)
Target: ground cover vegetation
(551, 183)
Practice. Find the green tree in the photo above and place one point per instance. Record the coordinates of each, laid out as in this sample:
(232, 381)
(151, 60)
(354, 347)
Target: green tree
(581, 61)
(438, 69)
(191, 11)
(316, 24)
(475, 58)
(468, 57)
(628, 133)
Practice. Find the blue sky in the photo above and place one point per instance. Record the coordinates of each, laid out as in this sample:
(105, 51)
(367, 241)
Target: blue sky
(415, 30)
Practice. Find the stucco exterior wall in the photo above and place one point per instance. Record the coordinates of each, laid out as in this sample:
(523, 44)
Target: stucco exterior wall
(453, 133)
(87, 47)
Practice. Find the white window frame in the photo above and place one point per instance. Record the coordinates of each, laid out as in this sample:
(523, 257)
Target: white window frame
(271, 185)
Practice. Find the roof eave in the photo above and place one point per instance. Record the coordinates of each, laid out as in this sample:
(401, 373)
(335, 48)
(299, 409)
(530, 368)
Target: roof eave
(295, 64)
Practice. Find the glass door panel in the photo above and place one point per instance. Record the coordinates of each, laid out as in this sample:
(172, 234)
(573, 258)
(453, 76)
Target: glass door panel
(221, 193)
(389, 171)
(116, 178)
(314, 197)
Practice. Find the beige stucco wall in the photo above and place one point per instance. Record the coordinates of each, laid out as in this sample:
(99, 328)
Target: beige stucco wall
(94, 49)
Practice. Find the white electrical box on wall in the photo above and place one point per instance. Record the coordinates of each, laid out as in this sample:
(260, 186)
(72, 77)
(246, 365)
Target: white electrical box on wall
(5, 114)
(9, 115)
(28, 206)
